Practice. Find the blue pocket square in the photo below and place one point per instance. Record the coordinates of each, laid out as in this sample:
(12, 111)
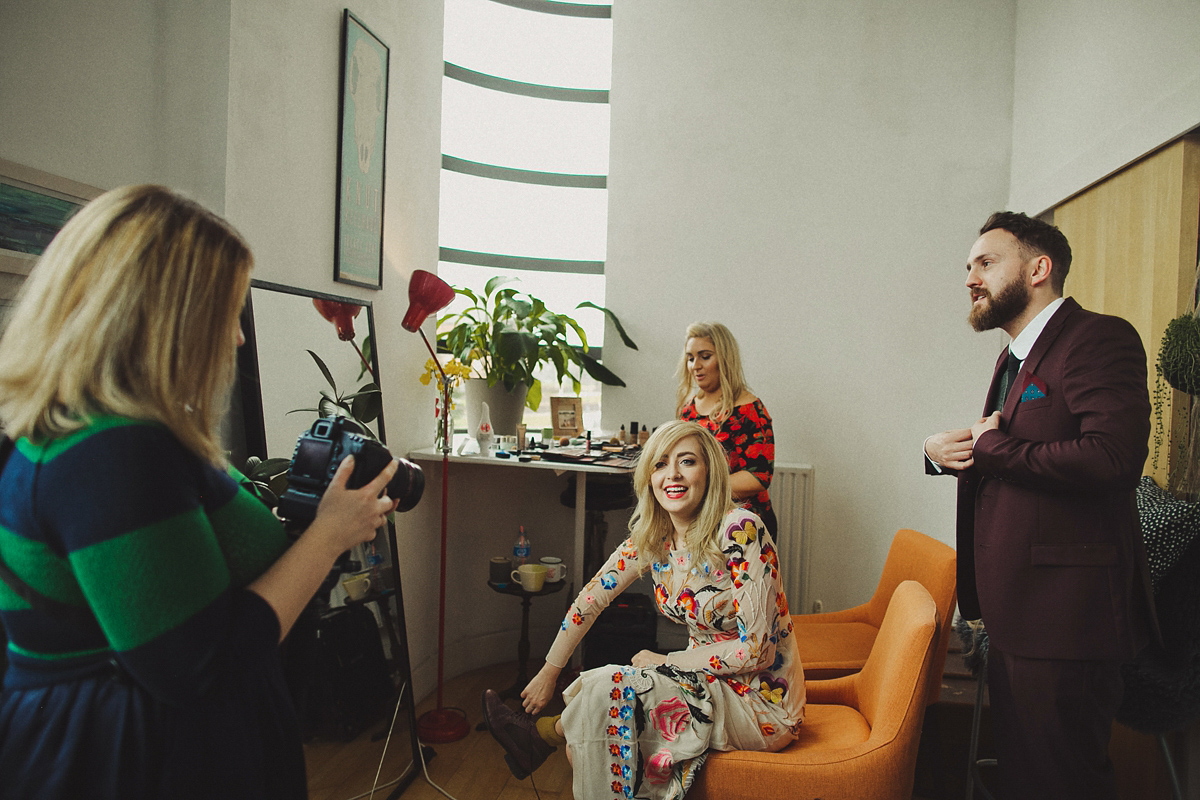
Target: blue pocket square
(1032, 392)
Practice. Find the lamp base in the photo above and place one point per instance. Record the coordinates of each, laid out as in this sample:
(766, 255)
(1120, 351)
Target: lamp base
(442, 725)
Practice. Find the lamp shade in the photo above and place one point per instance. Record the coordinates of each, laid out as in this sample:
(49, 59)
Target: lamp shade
(340, 314)
(427, 294)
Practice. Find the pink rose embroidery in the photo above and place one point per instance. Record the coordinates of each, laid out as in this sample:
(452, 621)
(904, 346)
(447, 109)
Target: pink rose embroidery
(658, 766)
(671, 717)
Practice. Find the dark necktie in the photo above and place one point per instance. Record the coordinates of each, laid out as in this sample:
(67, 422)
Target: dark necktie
(1006, 380)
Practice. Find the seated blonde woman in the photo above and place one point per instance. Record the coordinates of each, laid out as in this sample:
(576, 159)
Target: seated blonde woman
(642, 730)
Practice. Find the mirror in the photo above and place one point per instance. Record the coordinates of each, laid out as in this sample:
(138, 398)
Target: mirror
(276, 376)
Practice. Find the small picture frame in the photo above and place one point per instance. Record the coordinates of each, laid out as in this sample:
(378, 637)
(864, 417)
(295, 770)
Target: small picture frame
(567, 415)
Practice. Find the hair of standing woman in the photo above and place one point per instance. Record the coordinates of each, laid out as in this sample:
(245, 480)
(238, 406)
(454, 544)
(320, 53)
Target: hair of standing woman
(729, 361)
(132, 310)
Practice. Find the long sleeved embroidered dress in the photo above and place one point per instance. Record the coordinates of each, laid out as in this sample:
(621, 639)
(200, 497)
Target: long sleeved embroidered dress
(739, 685)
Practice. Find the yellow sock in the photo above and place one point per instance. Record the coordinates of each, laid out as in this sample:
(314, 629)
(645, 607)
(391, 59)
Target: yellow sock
(545, 729)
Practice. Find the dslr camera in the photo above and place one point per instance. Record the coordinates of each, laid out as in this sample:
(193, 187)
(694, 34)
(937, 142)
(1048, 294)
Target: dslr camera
(321, 449)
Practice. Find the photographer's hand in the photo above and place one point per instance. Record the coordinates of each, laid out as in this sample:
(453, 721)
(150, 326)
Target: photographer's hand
(345, 517)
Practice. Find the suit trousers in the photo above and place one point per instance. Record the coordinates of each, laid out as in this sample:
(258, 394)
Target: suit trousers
(1052, 720)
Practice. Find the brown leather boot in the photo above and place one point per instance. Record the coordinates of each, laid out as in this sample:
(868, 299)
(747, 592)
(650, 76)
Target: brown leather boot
(517, 733)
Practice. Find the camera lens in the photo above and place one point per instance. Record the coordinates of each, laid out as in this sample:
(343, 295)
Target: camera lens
(407, 485)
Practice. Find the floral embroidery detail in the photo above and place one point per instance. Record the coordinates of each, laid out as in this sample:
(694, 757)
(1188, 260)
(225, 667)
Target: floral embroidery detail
(768, 730)
(617, 787)
(611, 730)
(659, 766)
(626, 712)
(716, 663)
(745, 534)
(687, 600)
(739, 687)
(576, 618)
(620, 750)
(670, 717)
(620, 565)
(771, 688)
(660, 594)
(771, 695)
(740, 570)
(609, 580)
(613, 712)
(624, 733)
(768, 556)
(615, 694)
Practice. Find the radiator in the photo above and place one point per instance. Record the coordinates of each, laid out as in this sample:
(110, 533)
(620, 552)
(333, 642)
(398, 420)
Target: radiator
(792, 500)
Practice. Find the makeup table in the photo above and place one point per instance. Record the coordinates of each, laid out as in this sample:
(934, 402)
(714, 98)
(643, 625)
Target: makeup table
(581, 470)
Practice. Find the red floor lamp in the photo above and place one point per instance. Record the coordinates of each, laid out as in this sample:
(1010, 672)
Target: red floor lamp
(428, 294)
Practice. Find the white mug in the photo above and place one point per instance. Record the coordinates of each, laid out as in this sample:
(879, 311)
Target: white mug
(556, 570)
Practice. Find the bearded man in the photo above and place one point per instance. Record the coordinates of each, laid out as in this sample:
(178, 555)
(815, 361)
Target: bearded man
(1050, 552)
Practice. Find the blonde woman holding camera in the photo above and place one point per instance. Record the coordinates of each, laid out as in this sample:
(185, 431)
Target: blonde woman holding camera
(145, 593)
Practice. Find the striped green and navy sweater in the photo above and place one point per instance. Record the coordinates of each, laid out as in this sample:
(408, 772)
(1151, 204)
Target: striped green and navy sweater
(120, 518)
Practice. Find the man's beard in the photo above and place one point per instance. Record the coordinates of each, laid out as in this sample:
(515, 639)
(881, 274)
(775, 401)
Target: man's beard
(1002, 308)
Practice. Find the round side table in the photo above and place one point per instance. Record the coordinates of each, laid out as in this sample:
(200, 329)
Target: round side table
(514, 588)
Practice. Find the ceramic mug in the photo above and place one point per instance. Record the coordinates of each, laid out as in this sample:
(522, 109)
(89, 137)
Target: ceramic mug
(499, 569)
(556, 570)
(357, 586)
(531, 576)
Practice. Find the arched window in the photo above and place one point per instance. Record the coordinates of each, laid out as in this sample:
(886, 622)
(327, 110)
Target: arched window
(525, 126)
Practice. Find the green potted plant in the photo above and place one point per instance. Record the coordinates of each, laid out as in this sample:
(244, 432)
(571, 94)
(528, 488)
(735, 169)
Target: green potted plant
(505, 335)
(1178, 367)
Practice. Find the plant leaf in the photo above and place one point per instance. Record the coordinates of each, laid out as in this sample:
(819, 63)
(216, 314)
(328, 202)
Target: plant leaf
(490, 286)
(534, 398)
(324, 369)
(598, 370)
(616, 322)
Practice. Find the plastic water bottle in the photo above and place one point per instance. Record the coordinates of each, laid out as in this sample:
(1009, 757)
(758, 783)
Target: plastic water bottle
(521, 549)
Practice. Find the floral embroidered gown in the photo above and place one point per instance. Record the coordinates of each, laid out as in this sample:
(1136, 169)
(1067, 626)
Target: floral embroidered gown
(643, 732)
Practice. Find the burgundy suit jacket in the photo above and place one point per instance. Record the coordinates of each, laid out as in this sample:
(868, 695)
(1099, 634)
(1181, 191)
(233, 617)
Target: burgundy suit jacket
(1050, 551)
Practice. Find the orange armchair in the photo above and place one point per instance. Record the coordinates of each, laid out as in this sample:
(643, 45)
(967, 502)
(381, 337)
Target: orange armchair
(860, 732)
(838, 642)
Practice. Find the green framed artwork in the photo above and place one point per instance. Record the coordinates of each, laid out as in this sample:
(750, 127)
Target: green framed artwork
(34, 205)
(362, 134)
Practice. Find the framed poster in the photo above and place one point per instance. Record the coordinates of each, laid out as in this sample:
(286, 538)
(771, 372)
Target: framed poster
(34, 205)
(566, 413)
(362, 134)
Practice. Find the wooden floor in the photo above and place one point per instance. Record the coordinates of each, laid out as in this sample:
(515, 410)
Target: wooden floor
(470, 769)
(474, 768)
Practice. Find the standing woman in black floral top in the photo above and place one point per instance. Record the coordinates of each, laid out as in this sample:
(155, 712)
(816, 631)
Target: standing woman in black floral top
(713, 392)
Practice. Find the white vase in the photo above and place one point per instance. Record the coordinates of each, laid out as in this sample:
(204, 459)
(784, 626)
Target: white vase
(507, 409)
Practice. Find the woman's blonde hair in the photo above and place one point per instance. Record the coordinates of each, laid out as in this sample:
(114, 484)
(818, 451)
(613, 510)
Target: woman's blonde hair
(650, 526)
(729, 361)
(133, 311)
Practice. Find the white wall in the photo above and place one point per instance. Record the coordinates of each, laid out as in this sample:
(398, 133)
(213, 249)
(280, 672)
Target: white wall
(110, 93)
(1098, 85)
(813, 176)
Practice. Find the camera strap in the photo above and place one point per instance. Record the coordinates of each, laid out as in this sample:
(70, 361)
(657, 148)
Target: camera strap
(37, 600)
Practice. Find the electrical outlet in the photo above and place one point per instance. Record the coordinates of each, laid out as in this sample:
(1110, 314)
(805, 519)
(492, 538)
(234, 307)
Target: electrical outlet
(818, 607)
